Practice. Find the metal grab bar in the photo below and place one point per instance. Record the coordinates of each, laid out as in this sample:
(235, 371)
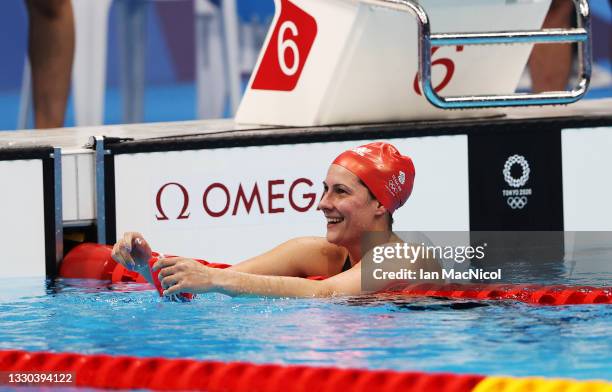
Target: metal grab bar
(580, 35)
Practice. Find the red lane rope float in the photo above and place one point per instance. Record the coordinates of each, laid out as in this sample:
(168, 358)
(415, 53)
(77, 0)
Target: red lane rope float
(528, 293)
(93, 261)
(122, 372)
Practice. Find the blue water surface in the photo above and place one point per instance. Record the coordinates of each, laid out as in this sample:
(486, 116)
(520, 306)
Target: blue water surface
(487, 338)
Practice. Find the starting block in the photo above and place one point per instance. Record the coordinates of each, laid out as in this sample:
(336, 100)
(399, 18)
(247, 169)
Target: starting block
(346, 61)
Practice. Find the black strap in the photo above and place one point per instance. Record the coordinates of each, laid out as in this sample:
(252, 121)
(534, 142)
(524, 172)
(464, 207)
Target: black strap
(347, 264)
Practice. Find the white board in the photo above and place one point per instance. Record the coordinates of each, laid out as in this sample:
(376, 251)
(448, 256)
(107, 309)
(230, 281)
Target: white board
(587, 170)
(22, 221)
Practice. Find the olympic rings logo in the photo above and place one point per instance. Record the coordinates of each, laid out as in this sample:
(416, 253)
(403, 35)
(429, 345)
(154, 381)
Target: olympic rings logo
(522, 180)
(517, 203)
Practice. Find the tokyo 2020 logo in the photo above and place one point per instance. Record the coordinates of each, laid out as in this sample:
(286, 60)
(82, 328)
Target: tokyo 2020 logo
(522, 162)
(517, 198)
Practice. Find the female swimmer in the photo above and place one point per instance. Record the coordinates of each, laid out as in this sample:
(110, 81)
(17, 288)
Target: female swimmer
(363, 187)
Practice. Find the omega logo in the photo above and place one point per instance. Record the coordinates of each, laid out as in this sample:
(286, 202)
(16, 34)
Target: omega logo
(162, 215)
(243, 198)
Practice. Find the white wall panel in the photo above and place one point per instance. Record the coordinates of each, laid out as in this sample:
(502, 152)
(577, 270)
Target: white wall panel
(70, 211)
(22, 228)
(439, 201)
(587, 174)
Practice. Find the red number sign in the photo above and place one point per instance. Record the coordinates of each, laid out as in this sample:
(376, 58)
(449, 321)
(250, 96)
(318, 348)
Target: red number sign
(287, 51)
(450, 71)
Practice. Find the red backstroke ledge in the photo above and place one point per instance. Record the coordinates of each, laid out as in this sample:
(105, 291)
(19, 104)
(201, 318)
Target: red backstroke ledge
(93, 261)
(122, 372)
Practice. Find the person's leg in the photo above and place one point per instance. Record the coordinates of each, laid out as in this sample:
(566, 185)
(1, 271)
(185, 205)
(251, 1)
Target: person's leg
(550, 65)
(51, 51)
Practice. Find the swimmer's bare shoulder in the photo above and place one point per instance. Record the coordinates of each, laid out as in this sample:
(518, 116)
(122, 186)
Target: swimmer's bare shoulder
(423, 262)
(300, 257)
(427, 264)
(395, 264)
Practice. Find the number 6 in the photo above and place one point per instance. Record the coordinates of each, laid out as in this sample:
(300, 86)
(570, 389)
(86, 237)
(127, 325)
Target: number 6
(290, 44)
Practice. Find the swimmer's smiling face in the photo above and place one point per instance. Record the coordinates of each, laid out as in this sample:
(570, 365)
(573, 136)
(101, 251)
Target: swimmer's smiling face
(348, 207)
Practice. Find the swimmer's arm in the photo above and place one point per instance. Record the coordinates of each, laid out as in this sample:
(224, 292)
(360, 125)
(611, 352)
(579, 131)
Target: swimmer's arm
(238, 283)
(301, 257)
(188, 276)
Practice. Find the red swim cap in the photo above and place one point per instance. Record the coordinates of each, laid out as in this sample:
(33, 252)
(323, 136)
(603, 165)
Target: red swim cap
(388, 174)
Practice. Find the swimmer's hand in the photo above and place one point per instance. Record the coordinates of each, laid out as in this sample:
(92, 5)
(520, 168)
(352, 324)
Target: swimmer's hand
(133, 252)
(182, 275)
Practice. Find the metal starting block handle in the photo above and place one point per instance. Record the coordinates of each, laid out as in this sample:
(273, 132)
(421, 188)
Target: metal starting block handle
(580, 35)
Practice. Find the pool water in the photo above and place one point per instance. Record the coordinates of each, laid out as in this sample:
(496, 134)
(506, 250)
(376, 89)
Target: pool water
(488, 338)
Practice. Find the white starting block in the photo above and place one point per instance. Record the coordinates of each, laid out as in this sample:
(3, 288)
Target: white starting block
(347, 61)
